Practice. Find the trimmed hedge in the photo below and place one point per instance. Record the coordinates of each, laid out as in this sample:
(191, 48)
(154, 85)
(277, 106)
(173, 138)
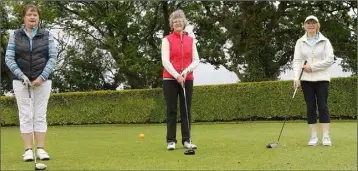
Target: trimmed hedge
(228, 102)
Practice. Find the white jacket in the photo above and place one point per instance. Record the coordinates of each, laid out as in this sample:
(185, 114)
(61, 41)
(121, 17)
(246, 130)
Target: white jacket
(319, 57)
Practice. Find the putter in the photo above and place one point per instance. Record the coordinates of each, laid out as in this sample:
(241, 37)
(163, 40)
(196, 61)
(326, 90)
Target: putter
(274, 145)
(190, 151)
(38, 166)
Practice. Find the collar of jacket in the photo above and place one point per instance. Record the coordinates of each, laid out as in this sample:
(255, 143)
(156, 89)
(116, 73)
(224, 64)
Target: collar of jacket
(320, 38)
(177, 34)
(37, 29)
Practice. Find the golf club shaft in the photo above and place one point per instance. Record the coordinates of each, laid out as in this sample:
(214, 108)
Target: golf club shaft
(283, 125)
(33, 125)
(187, 114)
(284, 121)
(294, 94)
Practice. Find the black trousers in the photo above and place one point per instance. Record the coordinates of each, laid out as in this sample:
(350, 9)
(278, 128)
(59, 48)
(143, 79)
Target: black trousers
(171, 91)
(316, 94)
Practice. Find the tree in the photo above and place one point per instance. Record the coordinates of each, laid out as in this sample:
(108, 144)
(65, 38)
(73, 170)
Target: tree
(245, 37)
(8, 25)
(119, 42)
(262, 36)
(115, 28)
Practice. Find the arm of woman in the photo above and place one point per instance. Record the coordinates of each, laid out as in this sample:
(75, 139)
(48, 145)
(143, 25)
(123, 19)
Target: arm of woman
(51, 63)
(328, 60)
(165, 59)
(195, 62)
(10, 58)
(297, 61)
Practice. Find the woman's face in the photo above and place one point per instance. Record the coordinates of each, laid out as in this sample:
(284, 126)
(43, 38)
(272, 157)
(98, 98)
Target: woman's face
(178, 24)
(311, 26)
(31, 18)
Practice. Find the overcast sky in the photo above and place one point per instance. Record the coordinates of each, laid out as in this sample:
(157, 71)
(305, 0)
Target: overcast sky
(205, 74)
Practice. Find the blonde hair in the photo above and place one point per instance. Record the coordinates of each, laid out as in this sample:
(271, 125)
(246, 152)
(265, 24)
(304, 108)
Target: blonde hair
(318, 24)
(176, 14)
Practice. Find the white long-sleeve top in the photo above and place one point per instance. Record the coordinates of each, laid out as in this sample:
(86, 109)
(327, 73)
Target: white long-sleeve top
(320, 57)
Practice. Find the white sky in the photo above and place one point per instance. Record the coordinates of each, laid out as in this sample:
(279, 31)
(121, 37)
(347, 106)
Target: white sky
(205, 74)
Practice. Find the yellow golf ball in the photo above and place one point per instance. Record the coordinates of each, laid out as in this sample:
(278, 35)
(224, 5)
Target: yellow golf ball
(141, 136)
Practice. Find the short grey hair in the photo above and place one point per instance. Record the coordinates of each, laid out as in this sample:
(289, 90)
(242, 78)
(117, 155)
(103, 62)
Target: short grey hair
(176, 14)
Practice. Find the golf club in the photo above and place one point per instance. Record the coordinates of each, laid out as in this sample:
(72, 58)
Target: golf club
(38, 166)
(274, 145)
(190, 151)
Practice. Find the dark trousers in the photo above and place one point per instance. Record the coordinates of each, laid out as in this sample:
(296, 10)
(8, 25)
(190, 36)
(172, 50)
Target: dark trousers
(171, 91)
(316, 94)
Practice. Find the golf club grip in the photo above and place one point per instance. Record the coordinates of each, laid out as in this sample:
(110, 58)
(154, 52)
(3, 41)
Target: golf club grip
(302, 70)
(29, 91)
(294, 93)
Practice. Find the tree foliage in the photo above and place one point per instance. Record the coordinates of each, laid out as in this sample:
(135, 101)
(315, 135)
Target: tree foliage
(108, 43)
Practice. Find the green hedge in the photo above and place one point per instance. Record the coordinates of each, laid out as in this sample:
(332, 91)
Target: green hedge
(241, 101)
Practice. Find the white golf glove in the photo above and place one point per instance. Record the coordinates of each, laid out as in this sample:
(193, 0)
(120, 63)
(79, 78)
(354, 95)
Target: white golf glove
(26, 81)
(296, 83)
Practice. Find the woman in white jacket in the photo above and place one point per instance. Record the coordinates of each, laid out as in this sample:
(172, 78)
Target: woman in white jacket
(317, 50)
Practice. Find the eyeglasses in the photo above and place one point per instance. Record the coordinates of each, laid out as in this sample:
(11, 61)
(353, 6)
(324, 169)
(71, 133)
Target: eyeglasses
(178, 21)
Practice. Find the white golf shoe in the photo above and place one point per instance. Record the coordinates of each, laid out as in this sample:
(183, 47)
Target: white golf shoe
(42, 154)
(326, 141)
(187, 145)
(28, 155)
(313, 141)
(171, 146)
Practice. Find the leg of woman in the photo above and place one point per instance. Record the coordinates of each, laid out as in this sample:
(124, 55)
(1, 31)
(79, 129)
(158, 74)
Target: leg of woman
(170, 88)
(310, 98)
(41, 96)
(185, 125)
(324, 119)
(26, 125)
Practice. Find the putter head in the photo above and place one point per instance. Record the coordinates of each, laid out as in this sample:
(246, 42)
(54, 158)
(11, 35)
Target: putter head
(40, 166)
(272, 145)
(190, 151)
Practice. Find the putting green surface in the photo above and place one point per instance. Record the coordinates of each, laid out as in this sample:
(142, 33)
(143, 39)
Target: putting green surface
(221, 146)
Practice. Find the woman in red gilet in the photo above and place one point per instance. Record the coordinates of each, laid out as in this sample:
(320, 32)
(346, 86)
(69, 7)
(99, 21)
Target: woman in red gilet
(179, 58)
